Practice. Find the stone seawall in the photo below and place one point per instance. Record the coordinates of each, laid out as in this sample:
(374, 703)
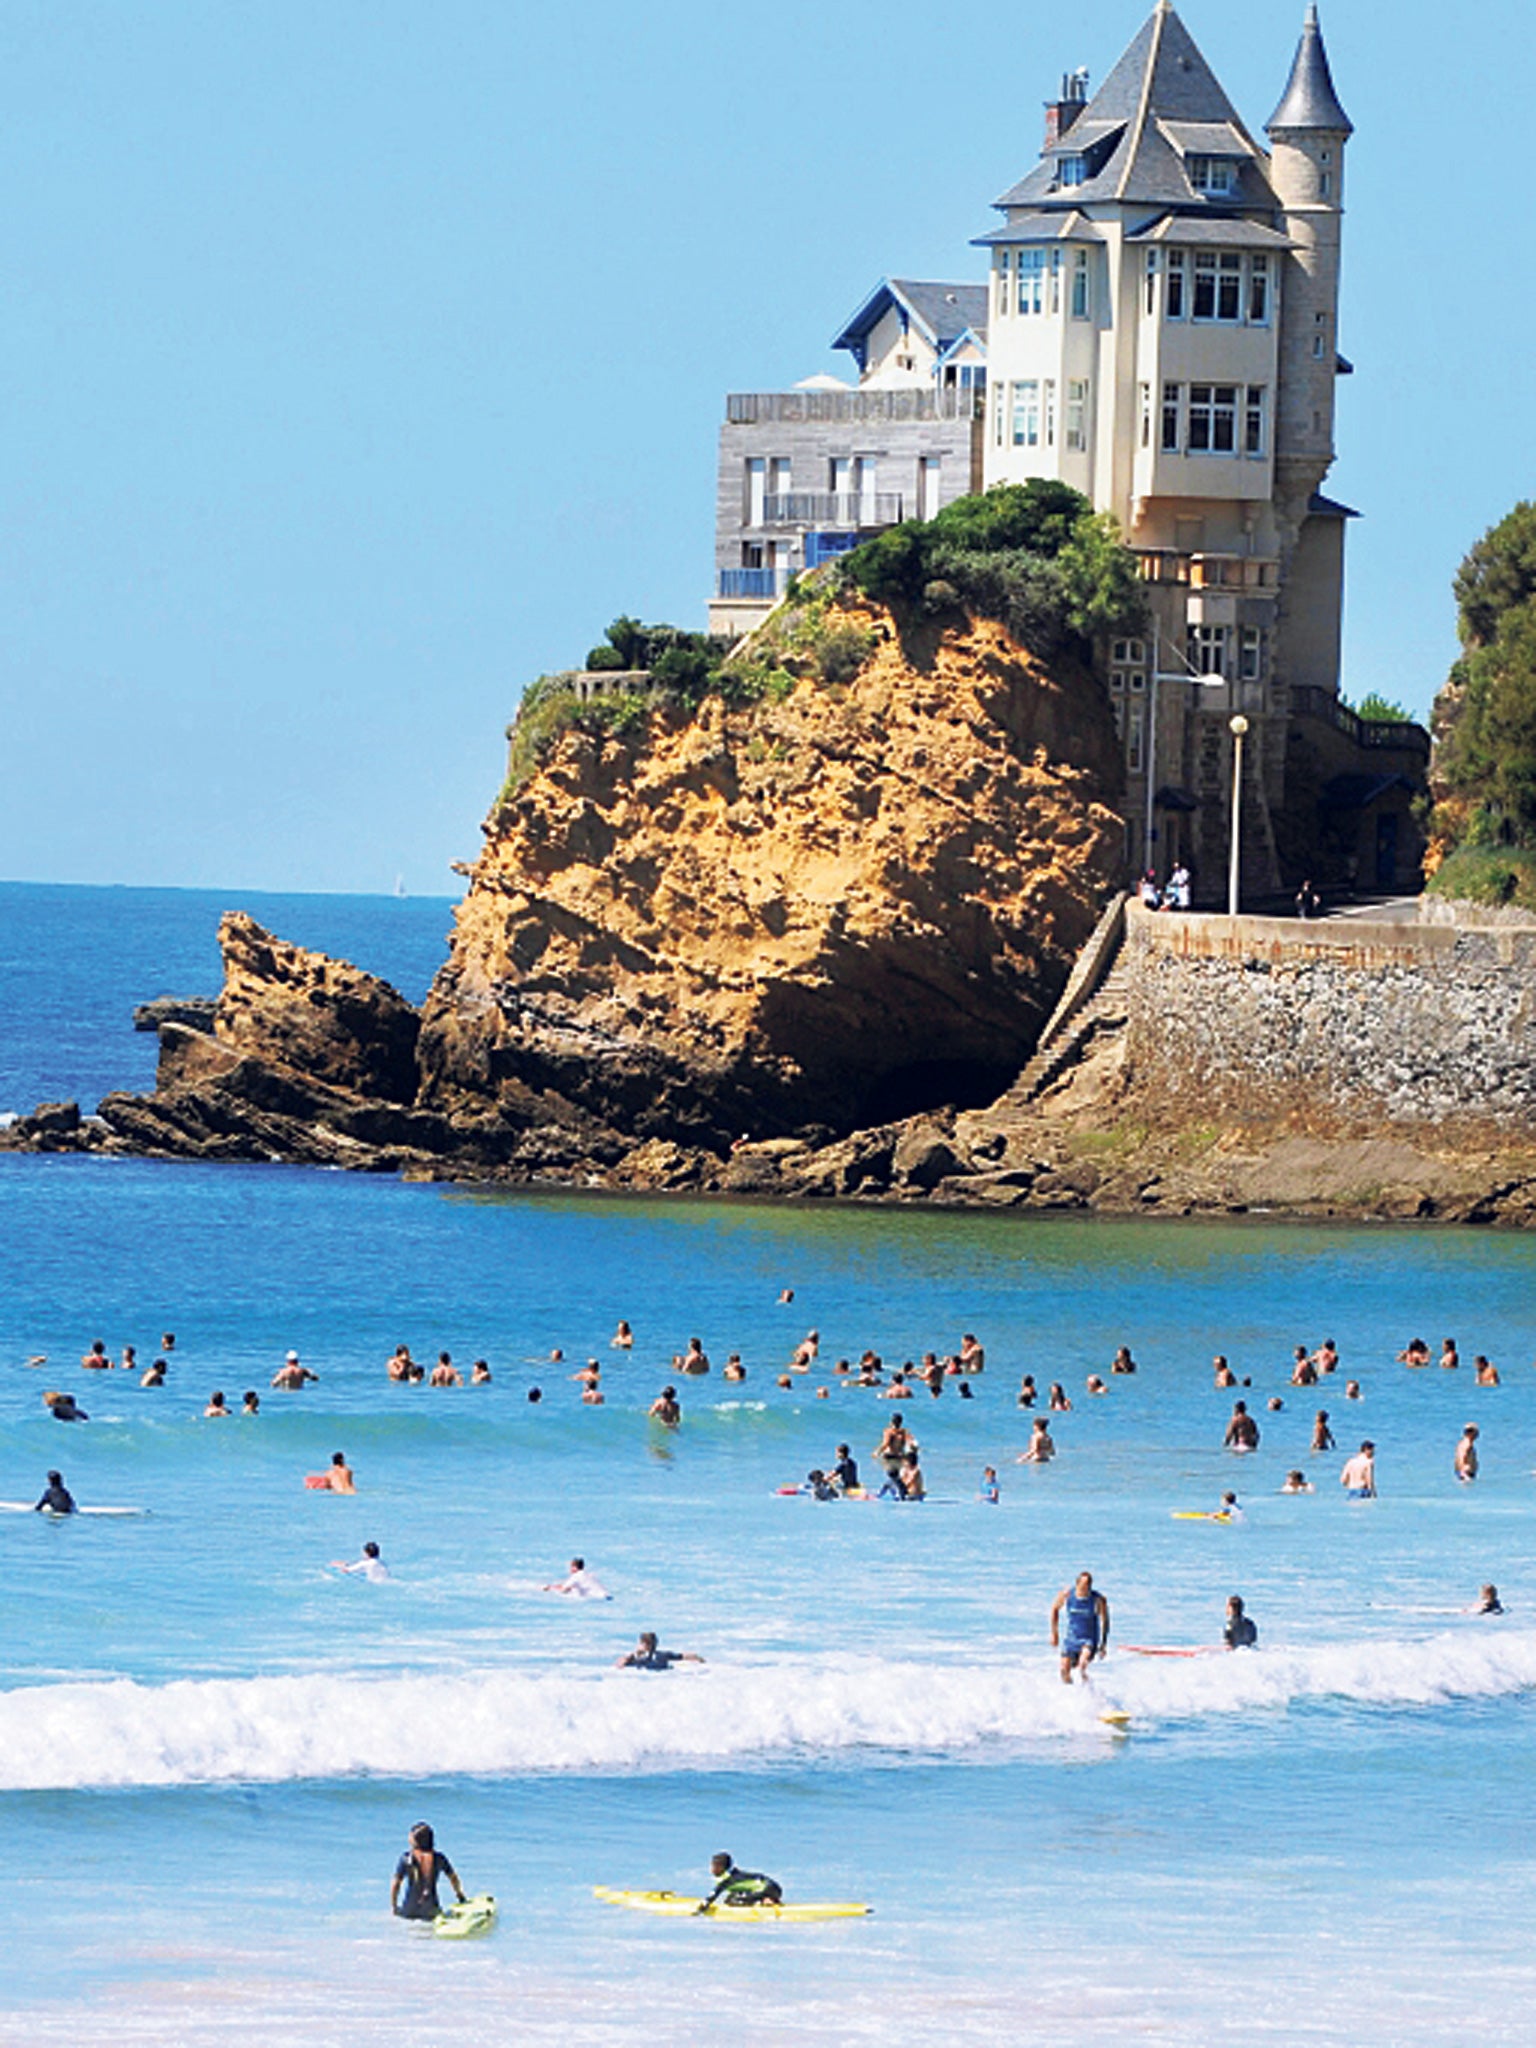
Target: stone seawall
(1339, 1027)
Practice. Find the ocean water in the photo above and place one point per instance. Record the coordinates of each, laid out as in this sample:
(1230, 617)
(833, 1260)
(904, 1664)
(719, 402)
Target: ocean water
(211, 1746)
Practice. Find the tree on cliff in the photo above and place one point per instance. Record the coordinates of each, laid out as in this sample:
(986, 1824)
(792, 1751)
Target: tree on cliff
(1484, 775)
(1035, 556)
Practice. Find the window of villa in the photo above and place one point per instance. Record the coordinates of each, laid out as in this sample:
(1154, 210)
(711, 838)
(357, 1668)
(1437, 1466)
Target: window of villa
(1212, 419)
(1170, 419)
(1173, 291)
(1151, 280)
(1207, 650)
(1250, 654)
(1055, 280)
(1253, 421)
(1026, 414)
(1258, 290)
(1071, 170)
(1217, 174)
(1079, 284)
(1077, 412)
(1050, 412)
(1229, 288)
(1031, 280)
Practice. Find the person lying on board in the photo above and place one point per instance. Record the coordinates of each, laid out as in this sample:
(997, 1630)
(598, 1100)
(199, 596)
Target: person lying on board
(735, 1887)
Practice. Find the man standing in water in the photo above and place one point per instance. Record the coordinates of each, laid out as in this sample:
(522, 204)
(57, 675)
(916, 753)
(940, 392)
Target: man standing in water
(1087, 1631)
(1466, 1455)
(1358, 1478)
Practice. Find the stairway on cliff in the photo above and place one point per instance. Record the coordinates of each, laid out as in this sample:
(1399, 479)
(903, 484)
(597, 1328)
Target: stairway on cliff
(1097, 1006)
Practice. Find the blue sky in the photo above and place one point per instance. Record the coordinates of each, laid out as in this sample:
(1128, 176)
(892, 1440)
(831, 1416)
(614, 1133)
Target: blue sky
(361, 361)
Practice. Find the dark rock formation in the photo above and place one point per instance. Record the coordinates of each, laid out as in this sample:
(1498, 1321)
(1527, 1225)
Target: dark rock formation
(194, 1011)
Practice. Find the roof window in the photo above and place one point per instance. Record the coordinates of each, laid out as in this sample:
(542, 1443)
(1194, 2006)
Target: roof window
(1072, 170)
(1215, 174)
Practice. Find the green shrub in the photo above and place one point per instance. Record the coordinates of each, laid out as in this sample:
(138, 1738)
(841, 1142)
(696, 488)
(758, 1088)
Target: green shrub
(1493, 876)
(842, 651)
(1378, 710)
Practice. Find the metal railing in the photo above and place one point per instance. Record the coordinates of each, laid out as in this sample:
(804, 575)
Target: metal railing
(1307, 701)
(837, 509)
(761, 408)
(751, 582)
(1208, 571)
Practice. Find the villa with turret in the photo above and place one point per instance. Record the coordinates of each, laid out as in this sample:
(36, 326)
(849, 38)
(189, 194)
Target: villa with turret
(1159, 329)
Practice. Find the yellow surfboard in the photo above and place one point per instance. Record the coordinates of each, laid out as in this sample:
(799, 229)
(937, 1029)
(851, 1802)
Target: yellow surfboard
(674, 1906)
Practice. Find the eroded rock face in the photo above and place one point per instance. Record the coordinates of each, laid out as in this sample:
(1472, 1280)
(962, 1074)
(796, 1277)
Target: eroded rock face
(829, 911)
(321, 1018)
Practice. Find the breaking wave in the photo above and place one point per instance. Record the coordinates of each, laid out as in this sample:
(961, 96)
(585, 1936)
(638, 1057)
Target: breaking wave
(123, 1733)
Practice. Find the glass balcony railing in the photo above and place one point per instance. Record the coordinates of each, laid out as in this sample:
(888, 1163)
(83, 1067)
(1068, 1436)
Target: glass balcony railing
(751, 582)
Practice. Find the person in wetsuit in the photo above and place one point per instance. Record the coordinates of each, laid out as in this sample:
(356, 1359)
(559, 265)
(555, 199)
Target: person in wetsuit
(1087, 1627)
(57, 1498)
(646, 1657)
(735, 1887)
(413, 1888)
(1241, 1631)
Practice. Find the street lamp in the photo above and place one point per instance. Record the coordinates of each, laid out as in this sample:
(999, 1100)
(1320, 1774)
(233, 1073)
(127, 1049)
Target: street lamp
(1237, 726)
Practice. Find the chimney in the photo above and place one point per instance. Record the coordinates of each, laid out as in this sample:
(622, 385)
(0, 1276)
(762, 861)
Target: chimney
(1060, 114)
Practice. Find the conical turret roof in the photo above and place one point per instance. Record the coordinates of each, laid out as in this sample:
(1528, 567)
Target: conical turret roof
(1309, 100)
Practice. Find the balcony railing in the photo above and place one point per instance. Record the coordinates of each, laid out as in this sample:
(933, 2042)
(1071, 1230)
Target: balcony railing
(751, 582)
(1208, 571)
(1310, 702)
(762, 408)
(836, 509)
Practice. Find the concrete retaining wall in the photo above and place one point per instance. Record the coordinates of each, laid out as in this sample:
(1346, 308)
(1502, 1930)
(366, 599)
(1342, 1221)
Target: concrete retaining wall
(1336, 1025)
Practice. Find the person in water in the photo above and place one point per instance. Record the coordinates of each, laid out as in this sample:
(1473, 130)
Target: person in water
(1123, 1361)
(369, 1566)
(579, 1583)
(216, 1409)
(154, 1374)
(1488, 1602)
(1027, 1393)
(845, 1472)
(735, 1887)
(1230, 1509)
(1296, 1481)
(1242, 1431)
(989, 1492)
(413, 1888)
(251, 1405)
(910, 1478)
(818, 1485)
(290, 1375)
(1087, 1627)
(57, 1498)
(1358, 1478)
(647, 1657)
(1466, 1455)
(1042, 1445)
(1322, 1435)
(623, 1338)
(96, 1359)
(64, 1408)
(338, 1478)
(665, 1409)
(445, 1373)
(1241, 1631)
(480, 1373)
(1487, 1371)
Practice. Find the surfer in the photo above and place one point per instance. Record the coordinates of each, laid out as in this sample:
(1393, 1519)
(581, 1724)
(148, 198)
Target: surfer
(57, 1498)
(647, 1657)
(290, 1375)
(665, 1409)
(735, 1887)
(369, 1566)
(579, 1583)
(1488, 1602)
(63, 1408)
(1241, 1631)
(1229, 1510)
(1087, 1630)
(413, 1888)
(1358, 1478)
(1466, 1455)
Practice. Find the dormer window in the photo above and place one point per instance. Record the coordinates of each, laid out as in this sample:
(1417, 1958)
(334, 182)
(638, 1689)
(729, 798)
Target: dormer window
(1216, 175)
(1072, 170)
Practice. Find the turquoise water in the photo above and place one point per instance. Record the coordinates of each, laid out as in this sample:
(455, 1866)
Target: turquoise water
(211, 1747)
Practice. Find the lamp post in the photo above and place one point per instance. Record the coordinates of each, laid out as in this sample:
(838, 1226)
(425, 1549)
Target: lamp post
(1237, 726)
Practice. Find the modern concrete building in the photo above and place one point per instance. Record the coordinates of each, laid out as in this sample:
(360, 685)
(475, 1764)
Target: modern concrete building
(1160, 330)
(804, 474)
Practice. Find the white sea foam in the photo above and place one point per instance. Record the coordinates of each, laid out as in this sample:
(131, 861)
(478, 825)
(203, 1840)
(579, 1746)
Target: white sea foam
(497, 1722)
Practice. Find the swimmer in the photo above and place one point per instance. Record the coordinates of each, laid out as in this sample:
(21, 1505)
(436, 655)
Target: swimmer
(64, 1408)
(556, 1357)
(1042, 1446)
(338, 1478)
(1240, 1632)
(697, 1358)
(590, 1373)
(973, 1357)
(1358, 1478)
(1296, 1482)
(818, 1485)
(964, 1392)
(1123, 1361)
(910, 1478)
(842, 1366)
(1466, 1455)
(129, 1362)
(1414, 1352)
(1274, 1404)
(96, 1359)
(1322, 1435)
(168, 1340)
(1096, 1385)
(154, 1375)
(806, 1352)
(1488, 1602)
(1303, 1368)
(823, 1393)
(369, 1566)
(845, 1472)
(1450, 1357)
(784, 1381)
(786, 1296)
(1058, 1400)
(402, 1366)
(896, 1441)
(57, 1498)
(290, 1375)
(898, 1390)
(665, 1409)
(1027, 1393)
(735, 1370)
(1326, 1356)
(989, 1492)
(480, 1373)
(734, 1888)
(1242, 1431)
(1487, 1373)
(623, 1338)
(1225, 1376)
(1087, 1627)
(579, 1583)
(1230, 1509)
(215, 1409)
(413, 1888)
(1352, 1391)
(535, 1396)
(445, 1373)
(646, 1657)
(251, 1405)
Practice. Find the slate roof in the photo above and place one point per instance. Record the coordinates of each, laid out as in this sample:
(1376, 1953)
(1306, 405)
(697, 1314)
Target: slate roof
(1226, 232)
(1329, 508)
(1309, 100)
(1071, 226)
(1160, 85)
(943, 311)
